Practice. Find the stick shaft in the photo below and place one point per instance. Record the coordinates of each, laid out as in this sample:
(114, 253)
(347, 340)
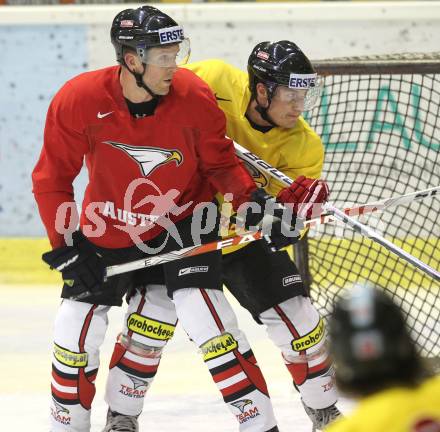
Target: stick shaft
(153, 260)
(368, 232)
(327, 217)
(345, 215)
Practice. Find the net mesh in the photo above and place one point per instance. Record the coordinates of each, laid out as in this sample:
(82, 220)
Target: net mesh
(379, 119)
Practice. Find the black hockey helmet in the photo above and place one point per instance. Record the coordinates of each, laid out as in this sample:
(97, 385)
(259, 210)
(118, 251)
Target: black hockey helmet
(143, 28)
(369, 340)
(273, 62)
(282, 63)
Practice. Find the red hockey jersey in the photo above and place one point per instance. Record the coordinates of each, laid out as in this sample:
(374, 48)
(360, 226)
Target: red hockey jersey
(138, 168)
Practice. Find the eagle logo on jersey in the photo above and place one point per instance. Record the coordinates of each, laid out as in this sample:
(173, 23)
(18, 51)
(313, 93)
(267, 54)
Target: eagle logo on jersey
(242, 404)
(259, 178)
(149, 158)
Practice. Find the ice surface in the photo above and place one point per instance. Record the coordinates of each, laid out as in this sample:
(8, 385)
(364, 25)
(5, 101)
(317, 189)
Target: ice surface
(183, 397)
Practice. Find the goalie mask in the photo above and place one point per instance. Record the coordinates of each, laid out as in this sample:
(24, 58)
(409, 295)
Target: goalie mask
(142, 30)
(284, 68)
(369, 339)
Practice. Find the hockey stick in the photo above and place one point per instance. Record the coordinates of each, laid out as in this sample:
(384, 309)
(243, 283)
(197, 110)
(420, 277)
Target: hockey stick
(249, 236)
(344, 217)
(327, 216)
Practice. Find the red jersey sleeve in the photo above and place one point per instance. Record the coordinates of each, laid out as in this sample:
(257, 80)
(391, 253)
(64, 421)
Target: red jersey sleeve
(60, 160)
(217, 154)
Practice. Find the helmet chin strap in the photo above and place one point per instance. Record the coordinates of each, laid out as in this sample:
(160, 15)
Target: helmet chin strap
(140, 82)
(263, 111)
(264, 114)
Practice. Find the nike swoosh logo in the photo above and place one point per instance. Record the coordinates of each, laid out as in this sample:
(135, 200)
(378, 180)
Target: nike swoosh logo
(101, 116)
(221, 99)
(184, 271)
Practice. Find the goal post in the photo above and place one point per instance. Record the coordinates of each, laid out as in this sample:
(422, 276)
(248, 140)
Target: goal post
(379, 120)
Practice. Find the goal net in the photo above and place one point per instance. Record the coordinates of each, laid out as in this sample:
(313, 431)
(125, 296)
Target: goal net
(379, 119)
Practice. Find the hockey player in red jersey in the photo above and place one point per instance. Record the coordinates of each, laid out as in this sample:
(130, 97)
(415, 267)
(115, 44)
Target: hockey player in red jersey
(268, 284)
(152, 138)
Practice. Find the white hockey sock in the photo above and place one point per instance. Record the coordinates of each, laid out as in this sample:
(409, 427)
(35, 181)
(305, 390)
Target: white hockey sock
(129, 378)
(297, 329)
(79, 332)
(149, 323)
(210, 322)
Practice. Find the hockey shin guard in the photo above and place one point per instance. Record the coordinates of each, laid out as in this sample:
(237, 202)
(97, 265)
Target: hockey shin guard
(79, 332)
(148, 325)
(210, 322)
(297, 329)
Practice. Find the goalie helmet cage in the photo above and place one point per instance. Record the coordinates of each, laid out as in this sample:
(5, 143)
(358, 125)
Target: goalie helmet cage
(379, 120)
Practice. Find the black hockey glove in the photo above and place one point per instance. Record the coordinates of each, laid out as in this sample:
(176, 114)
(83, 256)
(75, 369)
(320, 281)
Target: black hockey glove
(80, 265)
(279, 225)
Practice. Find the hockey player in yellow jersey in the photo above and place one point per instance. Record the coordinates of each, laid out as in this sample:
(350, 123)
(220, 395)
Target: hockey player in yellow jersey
(260, 120)
(377, 362)
(263, 109)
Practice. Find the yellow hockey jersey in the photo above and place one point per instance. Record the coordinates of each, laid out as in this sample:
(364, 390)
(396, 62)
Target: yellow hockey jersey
(396, 410)
(297, 151)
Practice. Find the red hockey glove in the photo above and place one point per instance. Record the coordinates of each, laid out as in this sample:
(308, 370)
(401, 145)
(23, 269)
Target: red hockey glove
(307, 196)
